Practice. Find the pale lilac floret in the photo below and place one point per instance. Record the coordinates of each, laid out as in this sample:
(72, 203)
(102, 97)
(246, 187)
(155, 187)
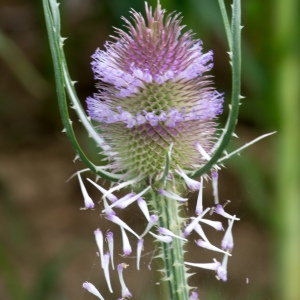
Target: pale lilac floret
(88, 202)
(126, 117)
(108, 210)
(152, 119)
(163, 116)
(110, 197)
(166, 231)
(227, 241)
(199, 205)
(220, 210)
(215, 224)
(143, 207)
(130, 121)
(189, 228)
(110, 241)
(106, 258)
(98, 110)
(199, 230)
(92, 289)
(129, 198)
(125, 291)
(162, 238)
(110, 236)
(202, 151)
(214, 175)
(171, 195)
(159, 79)
(216, 266)
(194, 296)
(140, 245)
(214, 178)
(152, 221)
(209, 246)
(191, 183)
(222, 274)
(142, 75)
(174, 117)
(121, 223)
(140, 119)
(208, 266)
(222, 270)
(169, 75)
(209, 107)
(121, 201)
(126, 245)
(99, 241)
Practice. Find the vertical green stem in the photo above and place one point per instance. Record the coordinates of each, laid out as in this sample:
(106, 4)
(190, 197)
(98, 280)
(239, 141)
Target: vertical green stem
(172, 254)
(234, 41)
(226, 23)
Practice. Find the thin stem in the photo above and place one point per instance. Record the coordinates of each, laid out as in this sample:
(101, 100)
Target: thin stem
(226, 22)
(245, 146)
(235, 44)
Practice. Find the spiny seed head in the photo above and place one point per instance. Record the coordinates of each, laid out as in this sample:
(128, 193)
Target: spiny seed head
(152, 93)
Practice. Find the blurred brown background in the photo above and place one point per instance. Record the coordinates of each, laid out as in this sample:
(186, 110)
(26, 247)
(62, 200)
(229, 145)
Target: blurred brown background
(47, 247)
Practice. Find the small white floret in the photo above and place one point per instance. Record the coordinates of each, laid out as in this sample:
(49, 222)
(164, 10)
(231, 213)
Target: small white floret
(110, 241)
(140, 245)
(92, 289)
(99, 241)
(191, 183)
(88, 202)
(126, 245)
(162, 238)
(125, 291)
(106, 270)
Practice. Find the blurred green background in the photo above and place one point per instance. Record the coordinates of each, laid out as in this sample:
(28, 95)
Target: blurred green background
(47, 247)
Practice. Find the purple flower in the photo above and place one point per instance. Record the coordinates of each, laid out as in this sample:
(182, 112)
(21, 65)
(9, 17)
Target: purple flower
(152, 93)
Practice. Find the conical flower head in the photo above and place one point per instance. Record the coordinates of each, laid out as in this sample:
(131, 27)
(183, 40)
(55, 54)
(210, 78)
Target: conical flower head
(152, 94)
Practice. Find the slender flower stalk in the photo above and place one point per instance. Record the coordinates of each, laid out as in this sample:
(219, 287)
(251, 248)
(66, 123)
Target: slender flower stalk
(156, 113)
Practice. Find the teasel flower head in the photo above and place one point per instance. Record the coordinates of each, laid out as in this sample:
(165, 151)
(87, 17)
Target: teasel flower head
(153, 94)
